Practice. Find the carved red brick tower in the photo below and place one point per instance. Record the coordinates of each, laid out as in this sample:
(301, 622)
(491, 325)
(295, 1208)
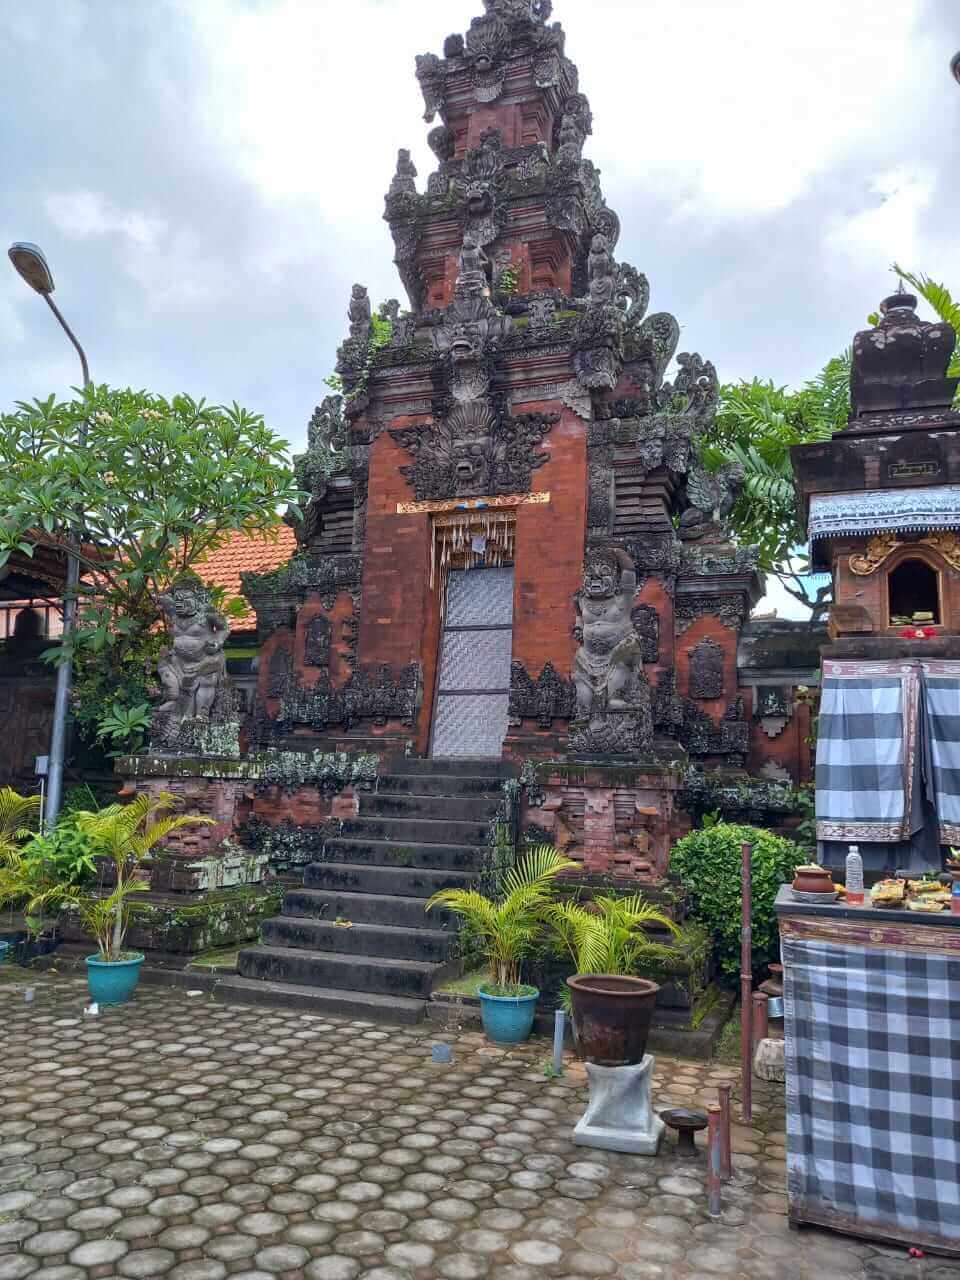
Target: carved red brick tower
(511, 548)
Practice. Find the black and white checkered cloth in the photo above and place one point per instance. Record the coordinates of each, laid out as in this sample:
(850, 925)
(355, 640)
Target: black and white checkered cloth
(941, 687)
(862, 746)
(873, 1088)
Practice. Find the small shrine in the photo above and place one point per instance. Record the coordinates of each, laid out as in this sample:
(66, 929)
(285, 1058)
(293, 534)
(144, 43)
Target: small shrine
(882, 506)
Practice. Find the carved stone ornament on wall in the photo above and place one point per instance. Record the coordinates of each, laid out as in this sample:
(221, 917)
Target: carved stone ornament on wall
(703, 737)
(773, 707)
(316, 649)
(647, 622)
(279, 672)
(472, 447)
(706, 671)
(370, 694)
(730, 609)
(547, 698)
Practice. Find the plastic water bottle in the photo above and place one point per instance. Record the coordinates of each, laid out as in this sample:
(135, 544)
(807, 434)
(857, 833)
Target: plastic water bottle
(854, 877)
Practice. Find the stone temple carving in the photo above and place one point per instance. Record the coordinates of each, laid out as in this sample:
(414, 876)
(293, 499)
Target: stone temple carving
(706, 670)
(613, 696)
(473, 446)
(198, 695)
(711, 497)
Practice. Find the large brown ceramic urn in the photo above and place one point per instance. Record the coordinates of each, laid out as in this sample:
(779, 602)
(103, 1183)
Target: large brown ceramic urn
(612, 1016)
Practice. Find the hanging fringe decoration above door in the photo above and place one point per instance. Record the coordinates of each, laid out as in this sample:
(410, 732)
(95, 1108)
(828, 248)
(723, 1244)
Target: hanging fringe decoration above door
(467, 539)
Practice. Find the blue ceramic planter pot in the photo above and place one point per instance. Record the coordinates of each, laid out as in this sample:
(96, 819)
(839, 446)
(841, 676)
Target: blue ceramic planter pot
(508, 1019)
(113, 983)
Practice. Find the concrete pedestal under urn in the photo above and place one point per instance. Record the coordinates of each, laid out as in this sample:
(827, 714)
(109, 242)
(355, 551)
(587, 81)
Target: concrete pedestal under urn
(620, 1114)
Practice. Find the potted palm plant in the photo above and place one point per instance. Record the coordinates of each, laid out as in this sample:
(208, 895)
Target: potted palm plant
(508, 928)
(612, 1009)
(17, 817)
(123, 836)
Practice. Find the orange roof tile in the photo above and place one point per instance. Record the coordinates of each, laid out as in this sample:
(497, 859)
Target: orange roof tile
(246, 553)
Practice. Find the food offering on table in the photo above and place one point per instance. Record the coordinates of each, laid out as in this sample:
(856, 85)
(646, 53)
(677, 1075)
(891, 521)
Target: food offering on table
(929, 904)
(920, 888)
(888, 893)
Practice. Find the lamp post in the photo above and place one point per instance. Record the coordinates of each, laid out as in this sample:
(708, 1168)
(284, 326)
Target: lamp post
(32, 266)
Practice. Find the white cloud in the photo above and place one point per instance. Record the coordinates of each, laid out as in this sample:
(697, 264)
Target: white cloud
(890, 224)
(83, 214)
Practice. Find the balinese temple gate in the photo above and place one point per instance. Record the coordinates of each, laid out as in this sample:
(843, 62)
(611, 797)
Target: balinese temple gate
(514, 611)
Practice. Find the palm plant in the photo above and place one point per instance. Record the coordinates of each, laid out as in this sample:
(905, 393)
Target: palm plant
(509, 927)
(941, 300)
(608, 936)
(125, 835)
(16, 815)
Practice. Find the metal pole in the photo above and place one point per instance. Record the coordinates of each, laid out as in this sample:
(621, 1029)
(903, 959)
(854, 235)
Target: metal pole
(713, 1161)
(61, 701)
(761, 1024)
(746, 991)
(726, 1155)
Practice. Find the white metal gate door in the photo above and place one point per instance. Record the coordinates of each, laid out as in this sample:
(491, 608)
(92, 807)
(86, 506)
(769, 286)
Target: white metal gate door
(473, 683)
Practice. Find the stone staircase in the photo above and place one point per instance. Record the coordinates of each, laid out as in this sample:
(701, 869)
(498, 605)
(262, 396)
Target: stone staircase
(355, 939)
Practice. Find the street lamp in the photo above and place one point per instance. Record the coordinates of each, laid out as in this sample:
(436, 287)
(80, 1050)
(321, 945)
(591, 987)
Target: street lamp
(31, 265)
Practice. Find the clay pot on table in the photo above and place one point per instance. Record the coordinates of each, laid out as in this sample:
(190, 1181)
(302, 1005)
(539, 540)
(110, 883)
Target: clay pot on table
(612, 1016)
(813, 879)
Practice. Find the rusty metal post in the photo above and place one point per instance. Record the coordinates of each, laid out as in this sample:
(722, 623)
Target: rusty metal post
(726, 1155)
(714, 1160)
(746, 989)
(761, 1024)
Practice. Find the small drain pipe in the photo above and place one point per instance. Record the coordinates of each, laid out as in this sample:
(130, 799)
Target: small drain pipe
(559, 1027)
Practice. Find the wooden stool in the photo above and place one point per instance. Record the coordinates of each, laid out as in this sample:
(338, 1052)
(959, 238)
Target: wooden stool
(686, 1121)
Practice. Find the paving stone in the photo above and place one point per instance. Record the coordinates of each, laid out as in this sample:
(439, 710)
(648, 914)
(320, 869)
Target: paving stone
(332, 1268)
(97, 1253)
(49, 1243)
(281, 1257)
(145, 1263)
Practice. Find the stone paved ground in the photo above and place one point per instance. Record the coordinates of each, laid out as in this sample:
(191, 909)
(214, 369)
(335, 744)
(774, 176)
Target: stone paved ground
(181, 1138)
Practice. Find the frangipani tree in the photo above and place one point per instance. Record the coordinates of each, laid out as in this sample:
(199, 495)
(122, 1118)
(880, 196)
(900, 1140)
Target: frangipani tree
(148, 487)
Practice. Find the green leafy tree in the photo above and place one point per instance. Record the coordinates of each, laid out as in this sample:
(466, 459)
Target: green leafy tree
(155, 488)
(756, 425)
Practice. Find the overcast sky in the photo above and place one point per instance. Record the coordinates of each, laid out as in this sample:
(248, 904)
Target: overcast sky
(207, 176)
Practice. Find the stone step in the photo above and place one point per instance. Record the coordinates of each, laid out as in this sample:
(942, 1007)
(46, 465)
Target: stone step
(431, 946)
(386, 853)
(458, 808)
(333, 970)
(401, 882)
(381, 909)
(457, 766)
(438, 784)
(367, 1006)
(416, 830)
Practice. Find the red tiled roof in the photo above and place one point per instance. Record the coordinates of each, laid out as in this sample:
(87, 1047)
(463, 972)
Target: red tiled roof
(247, 553)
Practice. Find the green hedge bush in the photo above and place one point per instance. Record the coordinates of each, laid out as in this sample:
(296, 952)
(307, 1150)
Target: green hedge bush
(708, 863)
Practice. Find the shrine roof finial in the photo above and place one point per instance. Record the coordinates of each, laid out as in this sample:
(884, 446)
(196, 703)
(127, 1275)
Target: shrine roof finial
(902, 362)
